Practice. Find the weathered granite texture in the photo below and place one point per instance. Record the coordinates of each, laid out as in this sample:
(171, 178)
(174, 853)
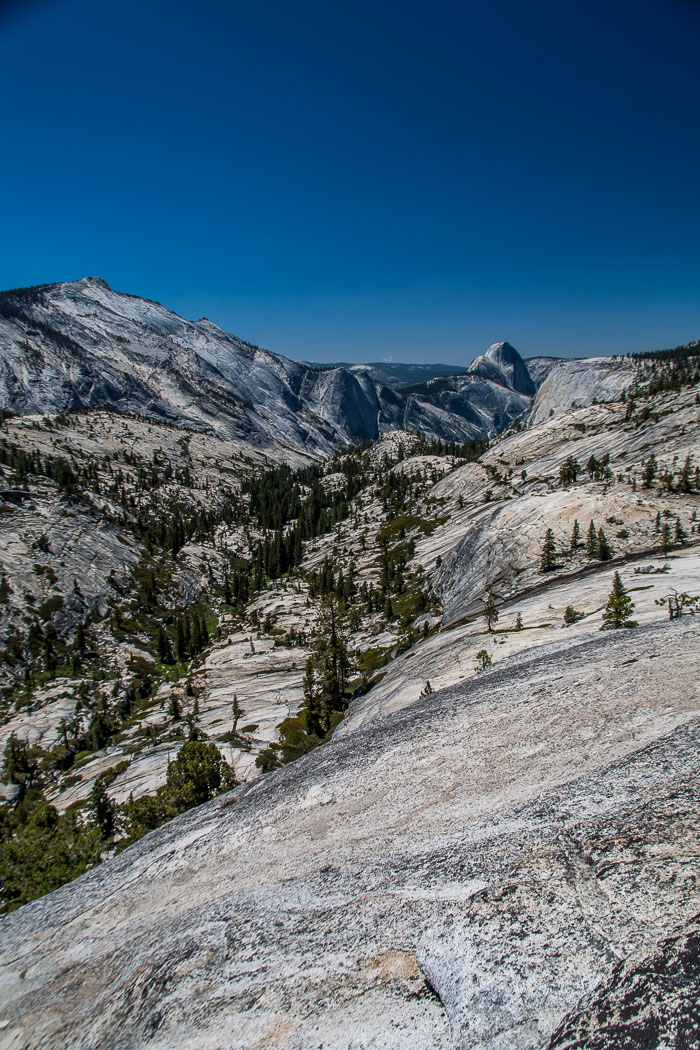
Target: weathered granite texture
(521, 840)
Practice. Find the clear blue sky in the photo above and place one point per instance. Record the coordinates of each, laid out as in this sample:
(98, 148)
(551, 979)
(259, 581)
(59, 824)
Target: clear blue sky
(358, 180)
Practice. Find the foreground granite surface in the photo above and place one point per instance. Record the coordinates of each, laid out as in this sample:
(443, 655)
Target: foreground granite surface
(509, 863)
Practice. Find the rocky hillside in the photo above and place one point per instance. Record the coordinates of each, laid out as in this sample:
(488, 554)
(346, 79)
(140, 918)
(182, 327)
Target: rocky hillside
(510, 863)
(131, 532)
(180, 613)
(83, 345)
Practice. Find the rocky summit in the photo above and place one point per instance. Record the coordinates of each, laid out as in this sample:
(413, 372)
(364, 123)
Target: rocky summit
(82, 345)
(341, 714)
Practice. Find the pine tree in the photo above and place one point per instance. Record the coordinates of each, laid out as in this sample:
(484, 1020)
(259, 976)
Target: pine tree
(569, 471)
(483, 660)
(619, 608)
(548, 552)
(592, 541)
(684, 478)
(165, 652)
(490, 610)
(327, 670)
(180, 640)
(575, 535)
(236, 711)
(605, 552)
(102, 809)
(679, 533)
(649, 472)
(665, 538)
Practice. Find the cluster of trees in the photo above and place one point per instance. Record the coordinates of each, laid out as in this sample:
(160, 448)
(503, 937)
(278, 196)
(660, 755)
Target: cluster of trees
(597, 469)
(667, 370)
(41, 849)
(685, 481)
(63, 472)
(596, 544)
(190, 637)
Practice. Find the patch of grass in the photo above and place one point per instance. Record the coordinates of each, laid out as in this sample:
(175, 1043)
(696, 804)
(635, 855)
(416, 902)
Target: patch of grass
(370, 660)
(408, 522)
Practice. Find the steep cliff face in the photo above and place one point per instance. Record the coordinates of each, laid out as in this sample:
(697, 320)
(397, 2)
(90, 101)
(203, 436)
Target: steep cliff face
(571, 384)
(521, 841)
(82, 344)
(503, 364)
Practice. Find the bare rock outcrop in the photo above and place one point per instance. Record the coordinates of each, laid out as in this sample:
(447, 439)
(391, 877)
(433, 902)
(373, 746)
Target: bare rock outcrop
(571, 384)
(514, 845)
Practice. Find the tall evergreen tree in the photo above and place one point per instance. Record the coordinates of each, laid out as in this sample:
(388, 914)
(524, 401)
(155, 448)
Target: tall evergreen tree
(619, 609)
(592, 541)
(575, 535)
(649, 471)
(490, 610)
(605, 552)
(327, 671)
(548, 552)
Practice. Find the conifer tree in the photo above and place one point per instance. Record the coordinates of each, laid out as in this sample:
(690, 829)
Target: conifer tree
(102, 807)
(684, 478)
(548, 552)
(575, 535)
(605, 552)
(569, 471)
(236, 711)
(592, 541)
(665, 538)
(619, 609)
(649, 471)
(490, 610)
(483, 660)
(679, 533)
(327, 670)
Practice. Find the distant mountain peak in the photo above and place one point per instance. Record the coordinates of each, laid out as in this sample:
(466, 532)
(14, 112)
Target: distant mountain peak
(503, 364)
(94, 282)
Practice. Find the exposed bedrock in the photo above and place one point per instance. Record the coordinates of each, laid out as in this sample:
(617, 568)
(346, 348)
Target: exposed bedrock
(516, 840)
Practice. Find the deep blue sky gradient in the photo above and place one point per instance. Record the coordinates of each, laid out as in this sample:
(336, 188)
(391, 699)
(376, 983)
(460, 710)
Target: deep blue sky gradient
(363, 180)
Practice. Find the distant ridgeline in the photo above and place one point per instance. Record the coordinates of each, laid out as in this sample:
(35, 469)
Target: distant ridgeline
(666, 369)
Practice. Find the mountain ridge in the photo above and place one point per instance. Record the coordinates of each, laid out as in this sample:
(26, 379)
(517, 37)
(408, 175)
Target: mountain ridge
(81, 344)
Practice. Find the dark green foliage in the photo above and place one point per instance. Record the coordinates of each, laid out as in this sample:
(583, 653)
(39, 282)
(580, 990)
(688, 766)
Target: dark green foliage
(327, 672)
(40, 850)
(19, 765)
(572, 615)
(547, 556)
(198, 774)
(619, 608)
(604, 550)
(575, 536)
(649, 471)
(592, 541)
(490, 613)
(569, 471)
(103, 809)
(483, 660)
